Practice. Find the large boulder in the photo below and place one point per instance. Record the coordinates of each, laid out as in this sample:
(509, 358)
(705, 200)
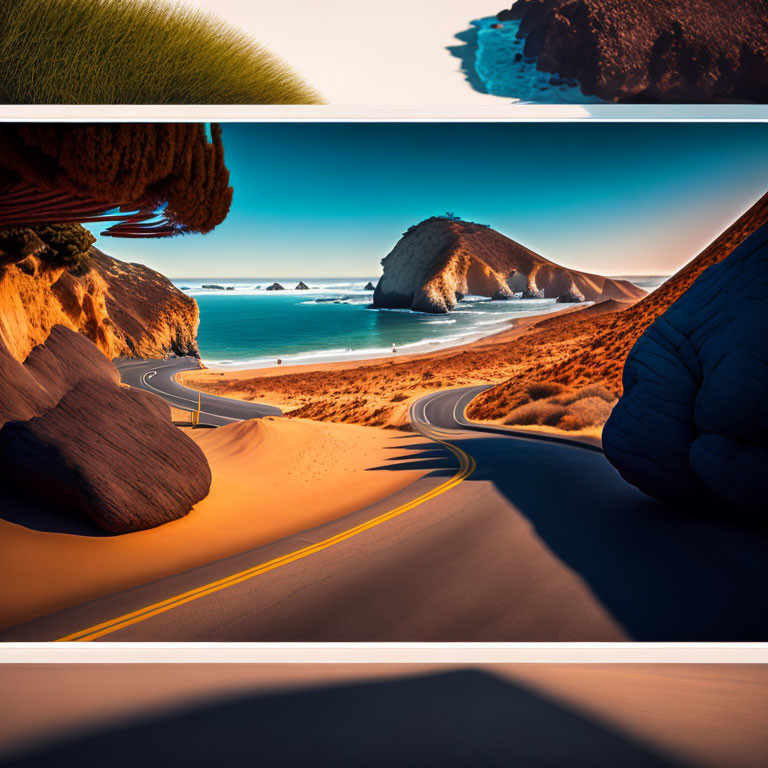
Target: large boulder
(692, 424)
(79, 441)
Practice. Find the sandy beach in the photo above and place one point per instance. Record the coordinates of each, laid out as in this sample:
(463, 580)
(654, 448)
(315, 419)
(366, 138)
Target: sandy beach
(366, 52)
(295, 468)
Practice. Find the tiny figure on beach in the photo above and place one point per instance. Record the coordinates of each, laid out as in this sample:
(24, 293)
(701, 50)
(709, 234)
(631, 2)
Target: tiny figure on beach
(394, 347)
(279, 361)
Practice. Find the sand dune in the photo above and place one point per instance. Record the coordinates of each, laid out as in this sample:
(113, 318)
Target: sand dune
(271, 478)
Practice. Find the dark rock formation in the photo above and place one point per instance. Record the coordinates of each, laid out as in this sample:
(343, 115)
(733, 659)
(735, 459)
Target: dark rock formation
(212, 287)
(692, 424)
(78, 440)
(672, 51)
(440, 260)
(275, 287)
(573, 296)
(369, 287)
(302, 287)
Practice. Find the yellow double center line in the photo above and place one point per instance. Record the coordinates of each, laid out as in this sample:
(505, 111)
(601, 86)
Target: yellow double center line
(466, 467)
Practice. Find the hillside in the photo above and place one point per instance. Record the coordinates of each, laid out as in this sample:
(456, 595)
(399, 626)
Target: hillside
(602, 343)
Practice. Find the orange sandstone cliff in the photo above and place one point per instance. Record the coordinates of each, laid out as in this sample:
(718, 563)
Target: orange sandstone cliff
(127, 310)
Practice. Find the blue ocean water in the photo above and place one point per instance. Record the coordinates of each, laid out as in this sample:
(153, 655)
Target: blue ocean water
(504, 71)
(244, 325)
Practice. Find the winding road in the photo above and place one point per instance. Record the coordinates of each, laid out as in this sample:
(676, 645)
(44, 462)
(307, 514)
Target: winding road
(159, 377)
(509, 537)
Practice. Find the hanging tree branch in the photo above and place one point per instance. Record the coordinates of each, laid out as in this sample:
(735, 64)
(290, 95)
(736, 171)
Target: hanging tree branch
(153, 180)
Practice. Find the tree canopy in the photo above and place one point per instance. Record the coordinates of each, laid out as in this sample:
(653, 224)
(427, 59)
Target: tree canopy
(150, 180)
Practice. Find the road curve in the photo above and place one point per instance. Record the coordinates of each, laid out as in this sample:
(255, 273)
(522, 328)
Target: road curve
(158, 377)
(531, 539)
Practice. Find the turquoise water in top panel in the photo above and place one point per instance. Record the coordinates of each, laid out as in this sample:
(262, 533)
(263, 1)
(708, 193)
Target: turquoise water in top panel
(504, 71)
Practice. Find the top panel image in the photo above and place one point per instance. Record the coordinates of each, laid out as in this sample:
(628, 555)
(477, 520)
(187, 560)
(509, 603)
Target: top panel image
(365, 52)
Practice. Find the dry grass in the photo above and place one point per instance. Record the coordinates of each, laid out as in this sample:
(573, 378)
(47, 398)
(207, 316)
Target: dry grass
(569, 410)
(134, 52)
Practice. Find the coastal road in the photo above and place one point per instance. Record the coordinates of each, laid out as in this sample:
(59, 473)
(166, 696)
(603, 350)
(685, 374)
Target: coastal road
(509, 537)
(158, 377)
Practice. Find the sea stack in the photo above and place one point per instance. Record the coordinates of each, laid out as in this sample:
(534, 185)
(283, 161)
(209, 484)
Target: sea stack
(275, 287)
(369, 287)
(300, 287)
(439, 261)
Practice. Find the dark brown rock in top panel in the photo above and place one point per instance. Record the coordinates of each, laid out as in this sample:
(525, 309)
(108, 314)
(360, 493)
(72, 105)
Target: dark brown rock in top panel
(705, 51)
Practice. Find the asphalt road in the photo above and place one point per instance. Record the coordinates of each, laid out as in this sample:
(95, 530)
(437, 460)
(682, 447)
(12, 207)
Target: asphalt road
(157, 376)
(527, 539)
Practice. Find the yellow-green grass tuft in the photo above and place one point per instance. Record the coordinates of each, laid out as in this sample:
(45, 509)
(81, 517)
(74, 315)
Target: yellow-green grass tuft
(135, 52)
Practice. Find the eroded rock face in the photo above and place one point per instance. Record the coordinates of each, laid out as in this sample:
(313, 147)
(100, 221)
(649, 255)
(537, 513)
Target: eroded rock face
(127, 310)
(439, 261)
(692, 424)
(673, 51)
(75, 438)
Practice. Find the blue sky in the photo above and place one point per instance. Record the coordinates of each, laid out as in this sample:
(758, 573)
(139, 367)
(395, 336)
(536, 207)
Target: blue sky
(331, 199)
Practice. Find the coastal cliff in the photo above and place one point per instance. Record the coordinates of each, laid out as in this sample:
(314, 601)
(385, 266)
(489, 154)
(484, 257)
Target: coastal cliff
(645, 50)
(127, 310)
(439, 261)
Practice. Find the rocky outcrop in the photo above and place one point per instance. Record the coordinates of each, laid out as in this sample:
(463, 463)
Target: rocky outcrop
(646, 50)
(301, 287)
(275, 287)
(369, 287)
(692, 424)
(76, 439)
(439, 261)
(125, 309)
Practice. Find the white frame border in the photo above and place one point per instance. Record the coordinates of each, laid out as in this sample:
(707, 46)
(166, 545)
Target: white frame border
(368, 653)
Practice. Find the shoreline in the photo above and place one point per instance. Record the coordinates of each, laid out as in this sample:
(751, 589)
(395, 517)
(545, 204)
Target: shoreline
(508, 330)
(513, 328)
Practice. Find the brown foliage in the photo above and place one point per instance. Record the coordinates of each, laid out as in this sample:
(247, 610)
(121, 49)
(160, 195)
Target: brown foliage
(133, 166)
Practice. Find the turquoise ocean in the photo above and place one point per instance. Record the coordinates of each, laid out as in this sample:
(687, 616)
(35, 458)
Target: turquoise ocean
(242, 325)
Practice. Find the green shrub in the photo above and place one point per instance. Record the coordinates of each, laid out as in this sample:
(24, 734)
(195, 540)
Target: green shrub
(134, 52)
(66, 245)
